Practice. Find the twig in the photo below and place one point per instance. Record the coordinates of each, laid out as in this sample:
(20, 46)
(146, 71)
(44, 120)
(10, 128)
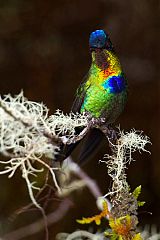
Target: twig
(38, 226)
(90, 183)
(82, 234)
(45, 133)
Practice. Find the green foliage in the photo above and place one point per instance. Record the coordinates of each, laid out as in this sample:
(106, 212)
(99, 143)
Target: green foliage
(137, 191)
(136, 194)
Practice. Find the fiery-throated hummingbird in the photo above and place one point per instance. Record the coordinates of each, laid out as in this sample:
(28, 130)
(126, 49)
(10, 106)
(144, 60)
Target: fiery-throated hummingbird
(103, 92)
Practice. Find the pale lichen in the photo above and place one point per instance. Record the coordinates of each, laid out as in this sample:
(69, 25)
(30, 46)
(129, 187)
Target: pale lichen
(28, 133)
(126, 144)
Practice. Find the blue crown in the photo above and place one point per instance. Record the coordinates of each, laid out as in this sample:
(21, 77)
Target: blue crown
(98, 39)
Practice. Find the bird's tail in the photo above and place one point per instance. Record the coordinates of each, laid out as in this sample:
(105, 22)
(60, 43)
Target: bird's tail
(89, 147)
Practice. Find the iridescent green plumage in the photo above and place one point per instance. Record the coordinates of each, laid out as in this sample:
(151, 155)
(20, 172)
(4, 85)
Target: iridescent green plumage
(103, 92)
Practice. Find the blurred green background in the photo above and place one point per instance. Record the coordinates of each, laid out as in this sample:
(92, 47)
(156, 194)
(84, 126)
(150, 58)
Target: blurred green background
(44, 51)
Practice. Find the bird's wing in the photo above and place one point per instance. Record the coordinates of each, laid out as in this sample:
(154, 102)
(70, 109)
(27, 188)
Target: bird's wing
(80, 95)
(66, 150)
(94, 137)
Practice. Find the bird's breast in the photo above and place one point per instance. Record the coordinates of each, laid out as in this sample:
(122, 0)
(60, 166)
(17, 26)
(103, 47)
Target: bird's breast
(114, 84)
(105, 89)
(105, 98)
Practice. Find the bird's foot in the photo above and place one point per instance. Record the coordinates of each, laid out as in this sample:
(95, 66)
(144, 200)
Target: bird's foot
(94, 122)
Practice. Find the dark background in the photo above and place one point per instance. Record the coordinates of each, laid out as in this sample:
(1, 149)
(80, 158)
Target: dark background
(44, 51)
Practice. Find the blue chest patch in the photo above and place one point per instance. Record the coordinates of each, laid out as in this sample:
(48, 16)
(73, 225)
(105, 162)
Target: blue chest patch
(115, 84)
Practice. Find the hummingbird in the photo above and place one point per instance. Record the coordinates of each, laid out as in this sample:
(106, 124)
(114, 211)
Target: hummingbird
(103, 92)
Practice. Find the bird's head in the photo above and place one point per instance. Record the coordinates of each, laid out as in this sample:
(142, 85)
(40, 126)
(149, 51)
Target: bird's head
(99, 39)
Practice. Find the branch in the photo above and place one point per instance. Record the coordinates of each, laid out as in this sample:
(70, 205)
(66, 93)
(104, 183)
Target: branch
(38, 226)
